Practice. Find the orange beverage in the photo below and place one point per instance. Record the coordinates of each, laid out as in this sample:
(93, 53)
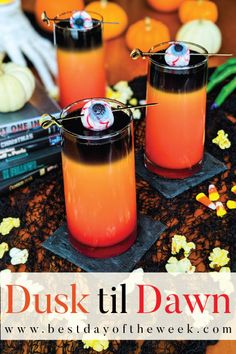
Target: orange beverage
(80, 57)
(99, 184)
(175, 129)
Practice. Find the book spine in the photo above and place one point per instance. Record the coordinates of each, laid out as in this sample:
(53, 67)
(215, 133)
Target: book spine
(30, 163)
(24, 137)
(21, 126)
(22, 150)
(15, 183)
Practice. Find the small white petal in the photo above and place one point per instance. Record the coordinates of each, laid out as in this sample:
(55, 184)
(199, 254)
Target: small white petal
(13, 252)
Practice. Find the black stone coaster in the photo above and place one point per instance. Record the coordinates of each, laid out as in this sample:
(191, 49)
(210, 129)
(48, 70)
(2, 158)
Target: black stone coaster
(171, 188)
(149, 232)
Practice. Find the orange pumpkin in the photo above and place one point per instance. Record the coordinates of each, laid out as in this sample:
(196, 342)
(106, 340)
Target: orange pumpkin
(113, 12)
(54, 8)
(165, 5)
(198, 10)
(146, 33)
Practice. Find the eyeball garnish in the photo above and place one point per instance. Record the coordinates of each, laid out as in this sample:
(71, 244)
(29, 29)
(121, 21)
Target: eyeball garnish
(81, 21)
(97, 115)
(177, 54)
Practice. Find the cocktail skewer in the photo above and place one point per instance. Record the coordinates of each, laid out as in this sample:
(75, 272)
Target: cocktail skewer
(138, 53)
(47, 123)
(47, 20)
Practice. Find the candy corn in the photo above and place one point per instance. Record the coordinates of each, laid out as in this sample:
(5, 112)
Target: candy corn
(220, 209)
(203, 199)
(233, 189)
(213, 193)
(231, 204)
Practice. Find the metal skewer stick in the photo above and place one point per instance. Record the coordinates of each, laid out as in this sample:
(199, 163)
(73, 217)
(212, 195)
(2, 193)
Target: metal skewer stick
(47, 20)
(137, 53)
(53, 120)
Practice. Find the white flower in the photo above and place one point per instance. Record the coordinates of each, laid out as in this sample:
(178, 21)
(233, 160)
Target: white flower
(218, 257)
(115, 95)
(222, 140)
(18, 256)
(125, 91)
(3, 248)
(7, 225)
(136, 113)
(133, 101)
(182, 266)
(97, 344)
(179, 242)
(224, 270)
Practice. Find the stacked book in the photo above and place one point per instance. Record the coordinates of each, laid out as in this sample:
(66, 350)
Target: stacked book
(26, 150)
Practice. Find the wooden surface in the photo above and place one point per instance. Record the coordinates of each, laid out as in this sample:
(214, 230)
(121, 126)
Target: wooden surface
(121, 67)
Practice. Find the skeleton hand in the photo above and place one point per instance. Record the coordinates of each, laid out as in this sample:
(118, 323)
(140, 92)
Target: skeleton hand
(19, 39)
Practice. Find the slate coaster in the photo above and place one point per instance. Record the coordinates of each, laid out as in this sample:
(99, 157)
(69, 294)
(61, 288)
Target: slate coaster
(149, 232)
(171, 188)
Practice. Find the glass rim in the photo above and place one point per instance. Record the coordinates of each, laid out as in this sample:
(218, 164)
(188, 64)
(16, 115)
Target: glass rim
(76, 29)
(96, 138)
(187, 67)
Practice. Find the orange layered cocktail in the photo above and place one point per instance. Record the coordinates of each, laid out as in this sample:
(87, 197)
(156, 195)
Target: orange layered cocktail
(80, 57)
(99, 183)
(175, 129)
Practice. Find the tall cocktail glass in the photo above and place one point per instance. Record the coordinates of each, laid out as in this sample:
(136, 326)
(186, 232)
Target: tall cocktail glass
(99, 183)
(80, 57)
(175, 129)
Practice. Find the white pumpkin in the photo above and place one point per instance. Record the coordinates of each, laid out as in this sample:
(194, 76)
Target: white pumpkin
(17, 84)
(202, 32)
